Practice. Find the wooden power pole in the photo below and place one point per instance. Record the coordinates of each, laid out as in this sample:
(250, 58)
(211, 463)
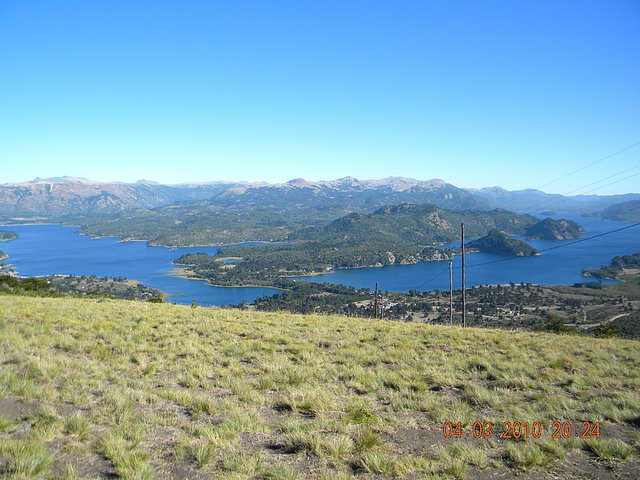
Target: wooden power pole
(375, 303)
(464, 320)
(450, 293)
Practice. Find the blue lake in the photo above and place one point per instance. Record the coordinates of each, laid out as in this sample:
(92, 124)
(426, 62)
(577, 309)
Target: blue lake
(561, 266)
(55, 249)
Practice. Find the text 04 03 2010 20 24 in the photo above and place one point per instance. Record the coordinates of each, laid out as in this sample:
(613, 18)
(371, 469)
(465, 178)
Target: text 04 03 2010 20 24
(521, 430)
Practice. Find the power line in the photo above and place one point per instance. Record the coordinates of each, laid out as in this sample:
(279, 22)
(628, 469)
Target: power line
(617, 181)
(590, 165)
(602, 180)
(541, 251)
(560, 201)
(557, 246)
(431, 279)
(522, 193)
(551, 204)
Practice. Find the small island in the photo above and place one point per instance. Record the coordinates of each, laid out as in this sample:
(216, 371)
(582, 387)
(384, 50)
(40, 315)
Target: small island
(550, 229)
(500, 243)
(6, 235)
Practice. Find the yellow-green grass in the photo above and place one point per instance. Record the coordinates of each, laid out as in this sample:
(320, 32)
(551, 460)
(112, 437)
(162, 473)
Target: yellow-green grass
(90, 388)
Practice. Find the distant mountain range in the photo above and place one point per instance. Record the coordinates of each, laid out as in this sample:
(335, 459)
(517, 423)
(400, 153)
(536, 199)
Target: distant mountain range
(531, 200)
(60, 196)
(297, 200)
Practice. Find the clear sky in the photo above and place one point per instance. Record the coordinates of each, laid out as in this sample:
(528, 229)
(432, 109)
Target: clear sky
(478, 93)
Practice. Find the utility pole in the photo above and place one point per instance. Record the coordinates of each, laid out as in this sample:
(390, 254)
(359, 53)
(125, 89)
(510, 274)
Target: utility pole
(450, 293)
(375, 303)
(464, 305)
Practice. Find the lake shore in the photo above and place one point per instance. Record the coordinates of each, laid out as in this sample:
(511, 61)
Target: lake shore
(52, 248)
(188, 274)
(171, 247)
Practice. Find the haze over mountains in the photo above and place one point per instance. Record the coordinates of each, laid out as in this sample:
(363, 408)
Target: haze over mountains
(321, 200)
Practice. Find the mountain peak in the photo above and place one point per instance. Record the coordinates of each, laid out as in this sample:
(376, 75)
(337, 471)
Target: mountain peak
(299, 182)
(63, 179)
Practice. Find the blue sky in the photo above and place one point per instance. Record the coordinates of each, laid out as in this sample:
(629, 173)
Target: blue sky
(510, 93)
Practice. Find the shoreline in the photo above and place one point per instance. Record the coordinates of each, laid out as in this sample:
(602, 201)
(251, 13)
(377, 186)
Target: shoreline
(188, 275)
(36, 223)
(150, 243)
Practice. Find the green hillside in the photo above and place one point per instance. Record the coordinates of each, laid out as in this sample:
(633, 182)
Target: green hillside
(627, 211)
(550, 229)
(107, 389)
(502, 244)
(422, 224)
(391, 235)
(184, 225)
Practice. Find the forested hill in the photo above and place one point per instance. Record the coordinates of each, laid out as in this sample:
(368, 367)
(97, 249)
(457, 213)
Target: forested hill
(184, 225)
(204, 224)
(550, 229)
(391, 235)
(626, 211)
(417, 224)
(502, 244)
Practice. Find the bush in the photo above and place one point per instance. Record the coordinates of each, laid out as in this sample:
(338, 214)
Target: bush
(555, 324)
(607, 330)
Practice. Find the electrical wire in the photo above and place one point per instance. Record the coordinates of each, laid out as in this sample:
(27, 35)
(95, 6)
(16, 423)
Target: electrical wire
(601, 180)
(589, 165)
(516, 256)
(431, 279)
(546, 206)
(556, 247)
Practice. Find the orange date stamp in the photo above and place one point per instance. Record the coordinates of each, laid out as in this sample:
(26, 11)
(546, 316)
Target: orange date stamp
(521, 430)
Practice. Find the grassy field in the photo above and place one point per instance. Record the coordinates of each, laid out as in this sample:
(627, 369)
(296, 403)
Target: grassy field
(106, 388)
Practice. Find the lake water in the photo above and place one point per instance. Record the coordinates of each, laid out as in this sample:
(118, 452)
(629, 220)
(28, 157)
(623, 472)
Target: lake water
(55, 249)
(562, 266)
